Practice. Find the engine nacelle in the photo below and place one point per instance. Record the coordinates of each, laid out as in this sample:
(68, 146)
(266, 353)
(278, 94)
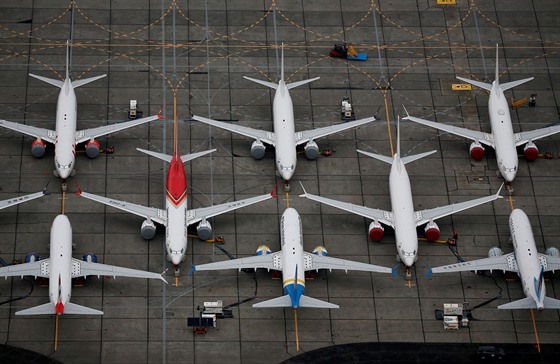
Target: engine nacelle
(258, 149)
(38, 148)
(92, 148)
(204, 230)
(263, 250)
(476, 150)
(321, 251)
(311, 150)
(31, 258)
(552, 251)
(531, 151)
(148, 229)
(495, 252)
(90, 257)
(376, 231)
(432, 231)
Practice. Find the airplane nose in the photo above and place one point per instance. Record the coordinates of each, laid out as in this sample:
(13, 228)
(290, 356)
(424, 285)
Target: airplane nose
(176, 259)
(64, 174)
(408, 261)
(509, 177)
(287, 175)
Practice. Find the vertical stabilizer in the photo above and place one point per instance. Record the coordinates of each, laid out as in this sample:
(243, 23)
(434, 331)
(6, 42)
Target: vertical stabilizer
(398, 136)
(282, 64)
(497, 76)
(67, 60)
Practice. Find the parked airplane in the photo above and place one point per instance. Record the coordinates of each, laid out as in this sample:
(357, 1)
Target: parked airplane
(60, 268)
(501, 138)
(403, 218)
(293, 262)
(65, 137)
(529, 264)
(284, 137)
(176, 217)
(21, 199)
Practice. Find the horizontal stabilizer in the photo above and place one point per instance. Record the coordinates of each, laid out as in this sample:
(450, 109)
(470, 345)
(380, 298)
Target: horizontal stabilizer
(45, 309)
(264, 83)
(284, 301)
(74, 309)
(292, 85)
(191, 156)
(382, 158)
(52, 81)
(512, 84)
(486, 86)
(524, 303)
(551, 303)
(85, 81)
(415, 157)
(162, 156)
(306, 301)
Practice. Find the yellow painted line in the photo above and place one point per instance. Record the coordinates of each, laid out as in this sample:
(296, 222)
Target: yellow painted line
(388, 121)
(296, 327)
(461, 87)
(511, 203)
(287, 200)
(62, 203)
(55, 332)
(447, 2)
(535, 330)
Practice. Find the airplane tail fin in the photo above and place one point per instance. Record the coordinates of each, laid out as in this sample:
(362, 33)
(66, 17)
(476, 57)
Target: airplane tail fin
(486, 86)
(524, 303)
(289, 86)
(52, 81)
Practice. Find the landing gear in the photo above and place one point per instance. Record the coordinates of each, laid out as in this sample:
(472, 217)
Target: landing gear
(509, 188)
(286, 186)
(64, 186)
(408, 274)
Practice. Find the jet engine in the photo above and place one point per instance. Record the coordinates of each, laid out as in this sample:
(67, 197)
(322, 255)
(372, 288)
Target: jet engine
(495, 252)
(38, 148)
(90, 257)
(320, 250)
(258, 149)
(476, 150)
(432, 231)
(311, 150)
(148, 230)
(552, 251)
(31, 258)
(376, 231)
(531, 151)
(263, 250)
(92, 148)
(204, 230)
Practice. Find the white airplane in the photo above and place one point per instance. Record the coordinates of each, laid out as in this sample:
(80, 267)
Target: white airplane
(293, 262)
(176, 217)
(403, 218)
(501, 138)
(60, 268)
(284, 137)
(65, 137)
(529, 264)
(21, 199)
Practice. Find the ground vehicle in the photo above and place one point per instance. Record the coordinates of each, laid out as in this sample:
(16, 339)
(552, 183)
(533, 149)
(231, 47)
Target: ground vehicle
(490, 352)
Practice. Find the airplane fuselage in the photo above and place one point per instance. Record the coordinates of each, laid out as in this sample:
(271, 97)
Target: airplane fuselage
(526, 256)
(65, 142)
(293, 269)
(284, 128)
(176, 208)
(403, 213)
(502, 133)
(60, 279)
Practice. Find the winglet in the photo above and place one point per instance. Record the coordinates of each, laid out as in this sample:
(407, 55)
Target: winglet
(500, 190)
(428, 273)
(193, 269)
(159, 114)
(45, 189)
(394, 270)
(406, 111)
(304, 194)
(79, 192)
(273, 192)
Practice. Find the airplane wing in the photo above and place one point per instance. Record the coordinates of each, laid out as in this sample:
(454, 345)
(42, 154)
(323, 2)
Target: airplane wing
(146, 212)
(262, 135)
(44, 134)
(304, 136)
(385, 217)
(36, 269)
(82, 268)
(313, 262)
(549, 263)
(526, 136)
(17, 200)
(203, 213)
(268, 261)
(483, 138)
(504, 263)
(87, 134)
(423, 216)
